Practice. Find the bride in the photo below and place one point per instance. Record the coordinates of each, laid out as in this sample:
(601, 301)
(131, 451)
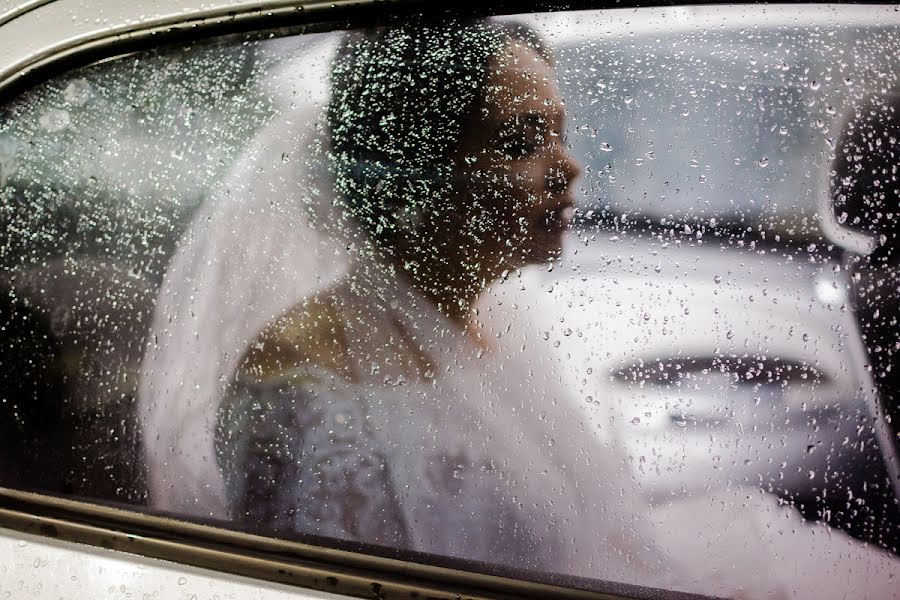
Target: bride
(372, 410)
(409, 402)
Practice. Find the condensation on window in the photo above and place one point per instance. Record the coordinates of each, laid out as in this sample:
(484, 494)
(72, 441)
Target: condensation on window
(603, 294)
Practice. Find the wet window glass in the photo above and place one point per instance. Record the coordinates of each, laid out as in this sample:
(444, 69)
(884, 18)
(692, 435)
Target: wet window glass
(609, 296)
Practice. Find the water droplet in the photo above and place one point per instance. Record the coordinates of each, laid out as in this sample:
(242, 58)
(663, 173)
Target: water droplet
(55, 119)
(606, 147)
(77, 92)
(763, 162)
(814, 85)
(182, 580)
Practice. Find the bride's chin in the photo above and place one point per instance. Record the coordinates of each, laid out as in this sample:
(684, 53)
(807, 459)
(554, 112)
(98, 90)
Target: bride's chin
(546, 247)
(539, 250)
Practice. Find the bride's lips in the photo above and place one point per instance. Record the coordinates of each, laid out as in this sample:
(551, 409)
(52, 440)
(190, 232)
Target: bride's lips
(556, 218)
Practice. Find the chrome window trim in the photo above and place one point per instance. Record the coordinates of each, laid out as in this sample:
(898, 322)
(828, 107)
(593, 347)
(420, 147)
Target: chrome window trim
(281, 561)
(18, 11)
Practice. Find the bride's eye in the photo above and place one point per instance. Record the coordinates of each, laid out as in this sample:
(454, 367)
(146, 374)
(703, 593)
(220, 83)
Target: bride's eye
(517, 146)
(522, 138)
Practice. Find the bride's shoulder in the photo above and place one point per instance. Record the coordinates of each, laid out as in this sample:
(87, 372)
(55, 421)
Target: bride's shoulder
(311, 335)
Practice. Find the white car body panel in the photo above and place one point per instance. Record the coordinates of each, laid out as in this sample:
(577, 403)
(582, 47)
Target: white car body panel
(40, 568)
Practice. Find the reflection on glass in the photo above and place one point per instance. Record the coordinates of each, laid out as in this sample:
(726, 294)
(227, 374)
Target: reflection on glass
(565, 293)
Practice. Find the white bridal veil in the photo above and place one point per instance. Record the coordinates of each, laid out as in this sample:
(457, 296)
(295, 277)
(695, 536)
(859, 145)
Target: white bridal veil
(251, 252)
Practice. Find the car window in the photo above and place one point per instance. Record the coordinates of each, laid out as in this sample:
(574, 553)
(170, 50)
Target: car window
(603, 297)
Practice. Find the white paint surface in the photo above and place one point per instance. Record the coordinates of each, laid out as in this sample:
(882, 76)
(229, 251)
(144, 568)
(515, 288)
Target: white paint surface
(36, 568)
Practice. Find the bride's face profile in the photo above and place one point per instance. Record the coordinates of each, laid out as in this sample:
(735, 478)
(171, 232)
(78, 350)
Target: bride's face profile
(513, 199)
(496, 192)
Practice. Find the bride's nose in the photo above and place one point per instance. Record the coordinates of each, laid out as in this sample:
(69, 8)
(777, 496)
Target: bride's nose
(563, 171)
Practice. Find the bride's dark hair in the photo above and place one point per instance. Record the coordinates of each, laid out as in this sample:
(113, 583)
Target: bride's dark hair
(400, 97)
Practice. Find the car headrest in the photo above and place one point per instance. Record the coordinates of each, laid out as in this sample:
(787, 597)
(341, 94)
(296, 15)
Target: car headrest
(865, 175)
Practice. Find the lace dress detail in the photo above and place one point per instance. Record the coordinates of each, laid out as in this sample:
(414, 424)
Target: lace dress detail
(299, 456)
(304, 454)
